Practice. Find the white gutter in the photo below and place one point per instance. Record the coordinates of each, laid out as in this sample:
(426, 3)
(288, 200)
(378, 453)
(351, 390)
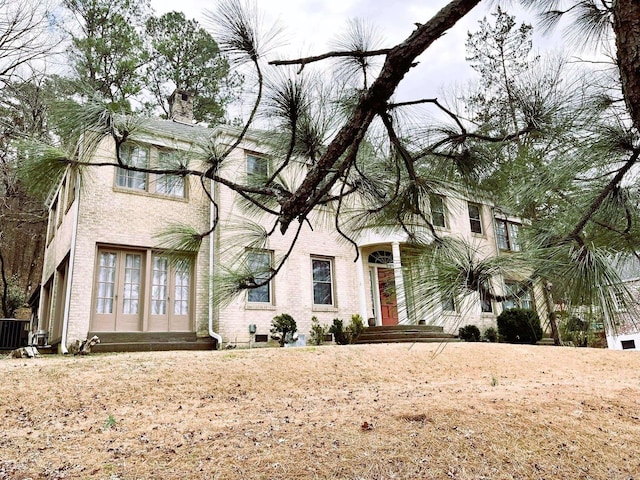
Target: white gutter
(72, 256)
(212, 334)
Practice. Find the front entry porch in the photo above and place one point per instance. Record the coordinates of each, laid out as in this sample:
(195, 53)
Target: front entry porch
(384, 301)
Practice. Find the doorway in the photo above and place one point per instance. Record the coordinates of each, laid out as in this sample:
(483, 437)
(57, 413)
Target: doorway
(387, 296)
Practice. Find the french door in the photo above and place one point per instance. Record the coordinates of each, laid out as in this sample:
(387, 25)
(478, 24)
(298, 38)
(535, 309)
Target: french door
(169, 295)
(141, 291)
(118, 291)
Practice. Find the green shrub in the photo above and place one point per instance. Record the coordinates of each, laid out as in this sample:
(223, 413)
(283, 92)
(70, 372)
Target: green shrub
(317, 333)
(283, 327)
(573, 330)
(519, 325)
(337, 329)
(469, 333)
(355, 328)
(491, 335)
(349, 334)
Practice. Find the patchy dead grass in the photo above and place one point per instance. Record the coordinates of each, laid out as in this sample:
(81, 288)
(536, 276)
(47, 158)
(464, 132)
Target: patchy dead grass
(474, 411)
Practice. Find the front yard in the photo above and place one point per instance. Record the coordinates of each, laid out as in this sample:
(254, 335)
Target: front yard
(459, 411)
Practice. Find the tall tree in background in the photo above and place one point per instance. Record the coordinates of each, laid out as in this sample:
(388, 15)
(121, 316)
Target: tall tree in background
(25, 35)
(185, 56)
(499, 53)
(23, 217)
(25, 38)
(108, 52)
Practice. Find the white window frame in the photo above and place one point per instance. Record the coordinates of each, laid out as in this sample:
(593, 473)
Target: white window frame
(330, 282)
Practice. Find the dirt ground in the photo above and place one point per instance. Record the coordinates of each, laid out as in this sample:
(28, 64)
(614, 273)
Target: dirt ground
(400, 411)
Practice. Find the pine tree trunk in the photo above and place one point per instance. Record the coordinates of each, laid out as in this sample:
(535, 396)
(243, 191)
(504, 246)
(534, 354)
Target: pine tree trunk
(626, 26)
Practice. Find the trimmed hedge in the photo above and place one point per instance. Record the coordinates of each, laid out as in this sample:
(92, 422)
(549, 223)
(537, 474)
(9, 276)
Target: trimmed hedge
(519, 325)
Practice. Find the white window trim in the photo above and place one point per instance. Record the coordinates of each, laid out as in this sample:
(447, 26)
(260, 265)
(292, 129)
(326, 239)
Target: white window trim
(334, 303)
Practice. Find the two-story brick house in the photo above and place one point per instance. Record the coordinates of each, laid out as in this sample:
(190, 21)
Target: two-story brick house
(106, 274)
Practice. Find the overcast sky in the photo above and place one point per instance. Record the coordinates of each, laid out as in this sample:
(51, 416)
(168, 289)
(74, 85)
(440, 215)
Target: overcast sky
(311, 24)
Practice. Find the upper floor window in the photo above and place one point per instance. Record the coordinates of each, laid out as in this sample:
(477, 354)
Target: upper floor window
(71, 188)
(167, 184)
(507, 235)
(257, 166)
(159, 183)
(475, 218)
(436, 203)
(53, 215)
(260, 263)
(322, 270)
(61, 209)
(133, 157)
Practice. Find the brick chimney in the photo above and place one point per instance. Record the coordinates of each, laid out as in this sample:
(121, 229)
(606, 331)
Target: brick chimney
(181, 107)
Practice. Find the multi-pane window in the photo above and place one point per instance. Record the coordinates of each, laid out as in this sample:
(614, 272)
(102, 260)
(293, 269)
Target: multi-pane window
(507, 235)
(259, 264)
(475, 220)
(131, 299)
(257, 166)
(166, 281)
(159, 279)
(133, 157)
(436, 203)
(322, 281)
(619, 299)
(160, 183)
(106, 282)
(166, 184)
(181, 280)
(519, 297)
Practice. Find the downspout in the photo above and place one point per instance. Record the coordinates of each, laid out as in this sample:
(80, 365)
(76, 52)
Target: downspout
(212, 334)
(72, 256)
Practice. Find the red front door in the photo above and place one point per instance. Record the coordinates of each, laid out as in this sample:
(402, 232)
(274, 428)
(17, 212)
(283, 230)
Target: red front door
(388, 300)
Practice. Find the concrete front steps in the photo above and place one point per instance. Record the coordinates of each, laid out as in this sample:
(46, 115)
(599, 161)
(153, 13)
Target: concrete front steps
(405, 333)
(149, 341)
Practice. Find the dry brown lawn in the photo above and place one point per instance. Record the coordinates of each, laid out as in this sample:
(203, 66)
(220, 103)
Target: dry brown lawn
(473, 411)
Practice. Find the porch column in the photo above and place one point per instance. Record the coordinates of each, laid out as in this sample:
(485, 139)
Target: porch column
(403, 318)
(362, 292)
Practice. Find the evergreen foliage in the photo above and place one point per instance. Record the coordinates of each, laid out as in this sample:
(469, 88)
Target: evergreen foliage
(469, 333)
(283, 328)
(518, 325)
